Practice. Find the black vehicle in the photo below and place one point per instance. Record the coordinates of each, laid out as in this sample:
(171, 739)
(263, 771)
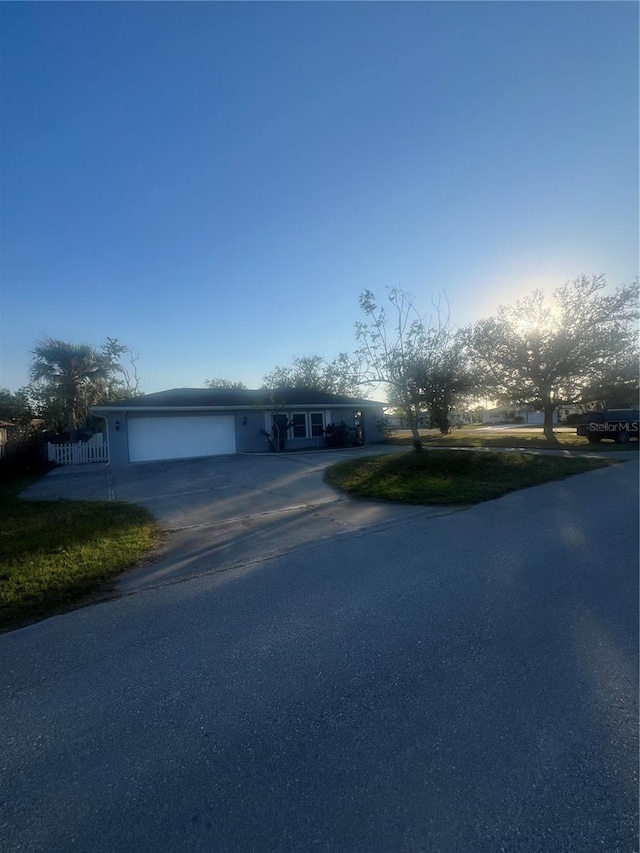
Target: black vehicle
(617, 424)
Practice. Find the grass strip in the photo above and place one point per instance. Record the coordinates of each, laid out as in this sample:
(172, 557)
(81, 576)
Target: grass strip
(511, 438)
(441, 477)
(55, 553)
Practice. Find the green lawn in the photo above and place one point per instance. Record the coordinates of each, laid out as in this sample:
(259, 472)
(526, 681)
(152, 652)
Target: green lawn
(440, 477)
(525, 437)
(55, 553)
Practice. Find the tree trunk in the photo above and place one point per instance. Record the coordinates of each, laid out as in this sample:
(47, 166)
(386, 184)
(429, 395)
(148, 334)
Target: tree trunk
(442, 421)
(413, 423)
(73, 426)
(548, 422)
(280, 424)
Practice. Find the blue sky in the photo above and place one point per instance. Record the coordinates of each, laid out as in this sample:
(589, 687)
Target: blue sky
(215, 183)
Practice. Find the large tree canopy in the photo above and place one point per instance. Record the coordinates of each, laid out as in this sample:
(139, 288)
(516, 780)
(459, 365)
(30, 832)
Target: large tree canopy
(225, 385)
(340, 376)
(16, 409)
(550, 352)
(413, 357)
(123, 380)
(448, 382)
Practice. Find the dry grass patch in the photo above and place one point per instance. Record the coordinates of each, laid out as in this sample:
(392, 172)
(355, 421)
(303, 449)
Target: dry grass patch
(527, 438)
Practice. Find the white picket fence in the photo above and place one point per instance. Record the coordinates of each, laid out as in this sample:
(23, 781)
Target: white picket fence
(79, 453)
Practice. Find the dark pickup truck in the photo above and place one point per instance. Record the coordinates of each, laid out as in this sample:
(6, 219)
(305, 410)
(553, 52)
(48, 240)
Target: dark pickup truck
(617, 424)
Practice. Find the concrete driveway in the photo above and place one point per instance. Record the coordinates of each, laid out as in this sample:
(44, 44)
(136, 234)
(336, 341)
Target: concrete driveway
(230, 510)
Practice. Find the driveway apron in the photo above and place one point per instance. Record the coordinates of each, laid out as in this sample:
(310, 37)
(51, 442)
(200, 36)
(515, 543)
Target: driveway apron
(227, 511)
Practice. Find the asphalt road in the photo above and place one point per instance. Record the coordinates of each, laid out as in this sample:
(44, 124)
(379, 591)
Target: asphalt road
(466, 682)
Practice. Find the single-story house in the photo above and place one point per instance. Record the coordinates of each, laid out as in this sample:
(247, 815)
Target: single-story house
(4, 426)
(191, 422)
(396, 419)
(460, 417)
(456, 417)
(516, 414)
(568, 409)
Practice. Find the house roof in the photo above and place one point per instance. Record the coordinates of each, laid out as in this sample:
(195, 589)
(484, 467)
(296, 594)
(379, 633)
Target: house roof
(210, 398)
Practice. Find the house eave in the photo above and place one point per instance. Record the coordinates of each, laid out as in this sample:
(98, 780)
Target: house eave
(97, 410)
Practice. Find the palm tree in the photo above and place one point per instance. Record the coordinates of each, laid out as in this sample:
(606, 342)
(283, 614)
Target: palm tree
(74, 373)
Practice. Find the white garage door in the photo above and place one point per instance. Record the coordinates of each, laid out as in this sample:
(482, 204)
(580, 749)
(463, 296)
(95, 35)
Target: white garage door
(180, 437)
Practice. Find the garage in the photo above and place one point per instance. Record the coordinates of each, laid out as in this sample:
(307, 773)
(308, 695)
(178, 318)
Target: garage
(180, 436)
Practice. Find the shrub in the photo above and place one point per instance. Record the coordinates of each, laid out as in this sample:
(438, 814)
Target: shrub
(339, 435)
(384, 427)
(24, 457)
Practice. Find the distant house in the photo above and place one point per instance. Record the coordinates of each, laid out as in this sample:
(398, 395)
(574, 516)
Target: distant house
(396, 420)
(568, 409)
(393, 419)
(457, 417)
(516, 415)
(191, 422)
(4, 426)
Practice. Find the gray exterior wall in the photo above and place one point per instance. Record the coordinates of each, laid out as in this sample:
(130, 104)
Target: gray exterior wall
(117, 439)
(248, 424)
(248, 438)
(371, 417)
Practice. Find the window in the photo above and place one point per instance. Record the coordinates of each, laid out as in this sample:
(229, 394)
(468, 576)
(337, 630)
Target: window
(305, 425)
(299, 425)
(317, 424)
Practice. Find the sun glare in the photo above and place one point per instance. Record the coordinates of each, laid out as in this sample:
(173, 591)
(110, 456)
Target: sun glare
(527, 327)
